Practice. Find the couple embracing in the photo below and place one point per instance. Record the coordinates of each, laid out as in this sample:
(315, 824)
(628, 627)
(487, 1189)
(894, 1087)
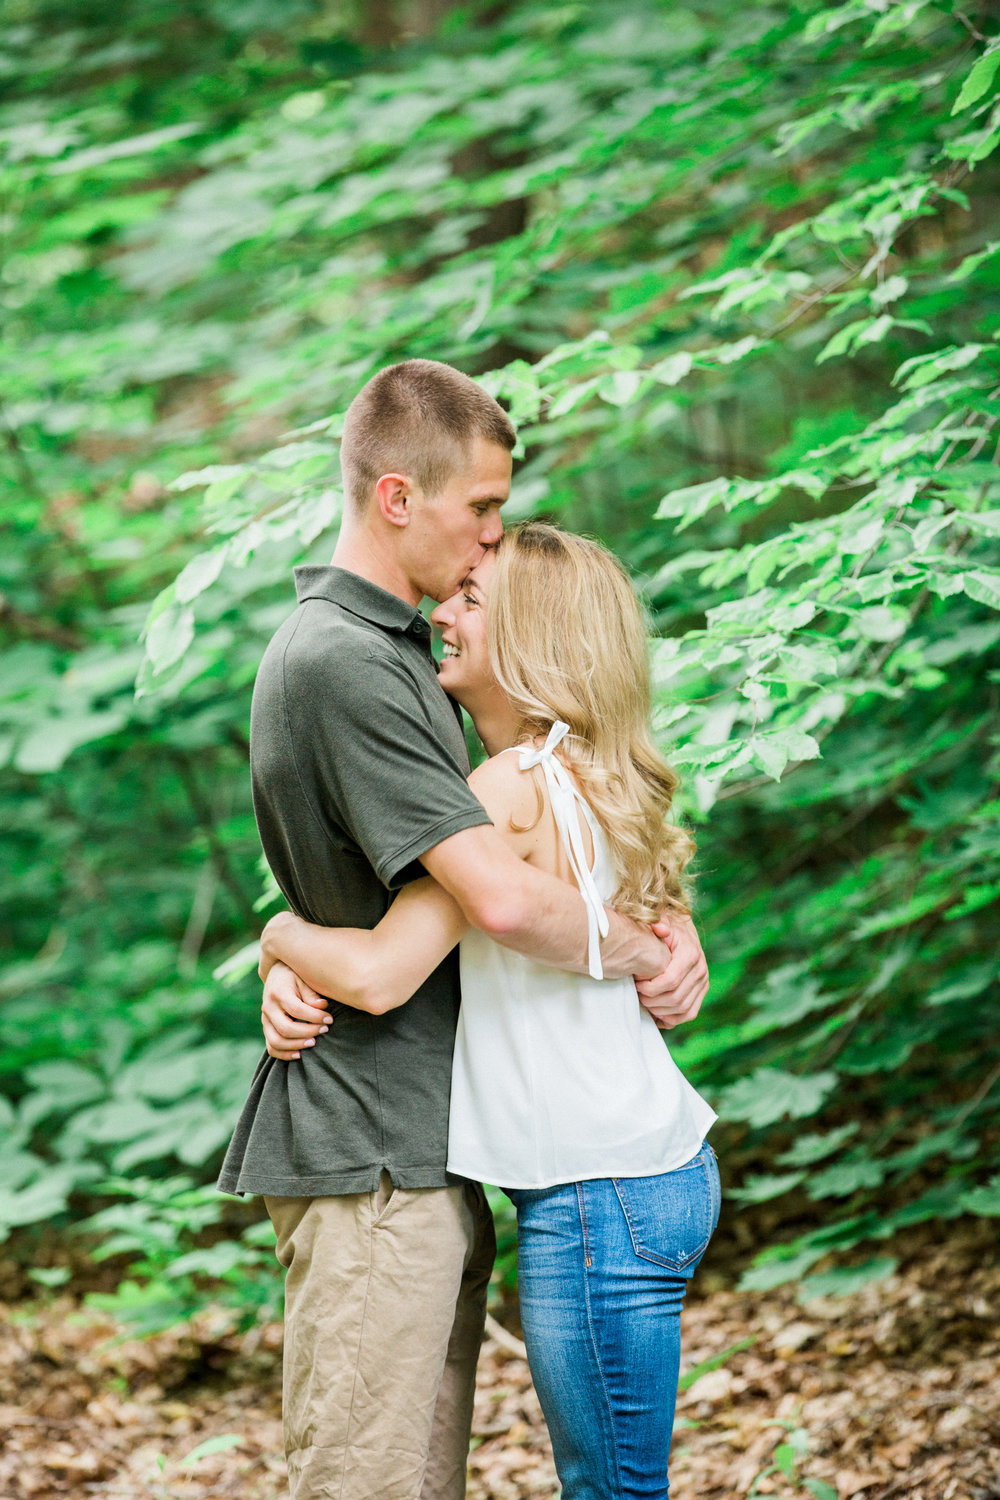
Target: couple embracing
(544, 891)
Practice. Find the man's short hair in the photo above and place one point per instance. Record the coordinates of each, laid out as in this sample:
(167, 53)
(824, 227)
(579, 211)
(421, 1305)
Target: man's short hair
(417, 418)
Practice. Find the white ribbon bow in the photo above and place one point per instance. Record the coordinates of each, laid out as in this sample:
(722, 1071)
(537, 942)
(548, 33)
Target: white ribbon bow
(564, 797)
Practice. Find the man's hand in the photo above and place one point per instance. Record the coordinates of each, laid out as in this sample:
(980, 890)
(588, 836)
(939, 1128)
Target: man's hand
(675, 994)
(291, 1013)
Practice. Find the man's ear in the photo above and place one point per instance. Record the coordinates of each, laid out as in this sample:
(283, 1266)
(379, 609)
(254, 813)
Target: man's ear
(393, 496)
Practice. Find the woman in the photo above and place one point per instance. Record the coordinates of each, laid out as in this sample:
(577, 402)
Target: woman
(563, 1093)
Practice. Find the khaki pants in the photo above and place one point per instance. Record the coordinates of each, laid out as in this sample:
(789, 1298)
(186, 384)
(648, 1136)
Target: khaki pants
(385, 1296)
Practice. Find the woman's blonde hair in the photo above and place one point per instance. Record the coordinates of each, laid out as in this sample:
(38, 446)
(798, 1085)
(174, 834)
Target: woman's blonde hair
(567, 640)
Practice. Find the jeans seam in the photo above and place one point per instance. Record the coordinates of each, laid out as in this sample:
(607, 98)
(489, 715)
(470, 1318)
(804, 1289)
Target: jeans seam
(583, 1224)
(596, 1347)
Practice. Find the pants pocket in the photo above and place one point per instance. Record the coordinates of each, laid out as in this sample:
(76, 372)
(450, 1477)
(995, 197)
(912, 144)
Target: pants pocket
(671, 1216)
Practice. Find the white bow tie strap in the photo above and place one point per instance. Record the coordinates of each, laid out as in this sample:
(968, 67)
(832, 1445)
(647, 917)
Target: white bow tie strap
(564, 797)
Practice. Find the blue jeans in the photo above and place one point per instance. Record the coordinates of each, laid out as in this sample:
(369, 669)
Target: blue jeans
(602, 1270)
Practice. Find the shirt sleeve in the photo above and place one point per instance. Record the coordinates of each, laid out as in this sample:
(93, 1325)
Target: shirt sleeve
(369, 754)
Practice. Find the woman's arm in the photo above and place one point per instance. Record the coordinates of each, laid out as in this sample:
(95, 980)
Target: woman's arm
(380, 969)
(375, 970)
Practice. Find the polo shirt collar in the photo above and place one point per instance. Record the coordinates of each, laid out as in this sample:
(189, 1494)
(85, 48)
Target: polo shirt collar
(361, 598)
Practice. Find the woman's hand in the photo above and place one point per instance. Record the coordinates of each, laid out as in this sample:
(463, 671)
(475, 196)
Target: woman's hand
(676, 993)
(291, 1013)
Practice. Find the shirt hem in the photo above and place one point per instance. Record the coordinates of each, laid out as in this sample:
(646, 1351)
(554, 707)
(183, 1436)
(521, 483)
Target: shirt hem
(335, 1184)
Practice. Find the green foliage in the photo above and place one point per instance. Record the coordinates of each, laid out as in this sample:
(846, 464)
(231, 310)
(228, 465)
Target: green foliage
(732, 276)
(162, 1222)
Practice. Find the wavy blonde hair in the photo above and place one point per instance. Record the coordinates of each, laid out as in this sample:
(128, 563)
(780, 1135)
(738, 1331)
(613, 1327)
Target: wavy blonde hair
(567, 640)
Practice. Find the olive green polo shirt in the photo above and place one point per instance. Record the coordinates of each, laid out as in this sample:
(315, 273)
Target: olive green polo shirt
(359, 765)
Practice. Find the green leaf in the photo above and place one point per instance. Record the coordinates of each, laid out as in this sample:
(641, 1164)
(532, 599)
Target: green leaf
(169, 636)
(150, 140)
(770, 1094)
(983, 587)
(845, 1177)
(777, 1266)
(762, 1188)
(693, 501)
(714, 1362)
(200, 573)
(971, 980)
(845, 1280)
(55, 739)
(786, 1459)
(812, 1148)
(819, 1489)
(672, 370)
(774, 749)
(970, 263)
(924, 368)
(983, 1200)
(50, 1275)
(978, 79)
(68, 1082)
(221, 1444)
(40, 1200)
(620, 388)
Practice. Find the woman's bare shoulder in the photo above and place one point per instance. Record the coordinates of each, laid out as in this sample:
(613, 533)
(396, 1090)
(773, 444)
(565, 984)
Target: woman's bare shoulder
(507, 792)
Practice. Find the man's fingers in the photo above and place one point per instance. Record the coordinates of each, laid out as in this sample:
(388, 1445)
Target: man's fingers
(677, 1006)
(673, 986)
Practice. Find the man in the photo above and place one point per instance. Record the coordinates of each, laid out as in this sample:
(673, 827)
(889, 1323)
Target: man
(359, 765)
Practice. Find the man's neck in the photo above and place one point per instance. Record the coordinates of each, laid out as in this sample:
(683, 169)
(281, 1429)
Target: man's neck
(358, 551)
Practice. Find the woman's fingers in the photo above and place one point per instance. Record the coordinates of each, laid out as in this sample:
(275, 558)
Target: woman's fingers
(288, 1030)
(292, 1015)
(285, 991)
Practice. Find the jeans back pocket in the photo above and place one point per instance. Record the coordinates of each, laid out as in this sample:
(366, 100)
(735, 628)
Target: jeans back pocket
(671, 1217)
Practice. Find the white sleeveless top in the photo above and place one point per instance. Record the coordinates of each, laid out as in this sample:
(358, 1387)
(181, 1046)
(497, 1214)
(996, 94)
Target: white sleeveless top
(559, 1077)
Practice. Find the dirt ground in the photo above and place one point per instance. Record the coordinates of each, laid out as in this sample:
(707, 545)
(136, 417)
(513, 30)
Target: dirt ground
(894, 1392)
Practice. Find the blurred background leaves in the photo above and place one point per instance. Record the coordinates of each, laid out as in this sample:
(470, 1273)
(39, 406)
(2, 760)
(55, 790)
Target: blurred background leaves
(735, 274)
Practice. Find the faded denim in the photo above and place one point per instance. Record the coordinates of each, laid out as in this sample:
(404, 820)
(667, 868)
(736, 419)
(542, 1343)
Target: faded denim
(602, 1270)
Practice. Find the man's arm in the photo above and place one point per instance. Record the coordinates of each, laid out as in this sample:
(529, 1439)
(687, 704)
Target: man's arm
(532, 912)
(486, 870)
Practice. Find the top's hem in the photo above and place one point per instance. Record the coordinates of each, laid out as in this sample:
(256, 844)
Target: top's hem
(670, 1165)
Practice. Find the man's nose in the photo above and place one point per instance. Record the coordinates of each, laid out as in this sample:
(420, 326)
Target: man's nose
(492, 531)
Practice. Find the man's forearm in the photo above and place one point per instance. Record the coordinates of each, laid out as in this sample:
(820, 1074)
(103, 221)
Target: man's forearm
(550, 926)
(535, 913)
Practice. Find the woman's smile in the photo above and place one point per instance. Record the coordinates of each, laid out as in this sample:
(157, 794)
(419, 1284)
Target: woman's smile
(465, 665)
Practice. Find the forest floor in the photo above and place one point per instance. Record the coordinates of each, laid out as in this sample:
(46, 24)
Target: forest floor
(897, 1389)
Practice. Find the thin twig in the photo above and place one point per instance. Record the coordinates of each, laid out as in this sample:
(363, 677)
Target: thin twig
(506, 1340)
